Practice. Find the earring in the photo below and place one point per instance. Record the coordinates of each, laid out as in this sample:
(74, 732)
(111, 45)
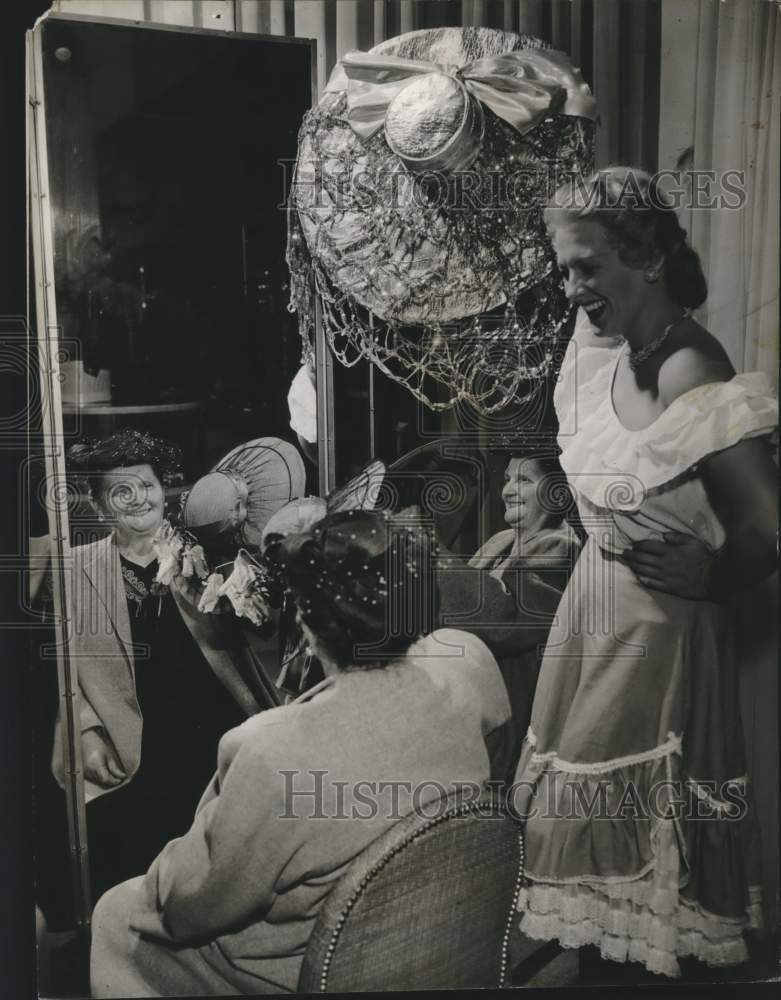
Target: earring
(651, 275)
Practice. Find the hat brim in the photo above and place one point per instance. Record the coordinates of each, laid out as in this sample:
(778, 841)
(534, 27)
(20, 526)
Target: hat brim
(274, 473)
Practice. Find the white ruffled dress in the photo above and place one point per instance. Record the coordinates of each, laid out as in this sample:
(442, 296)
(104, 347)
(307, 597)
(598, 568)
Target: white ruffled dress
(640, 837)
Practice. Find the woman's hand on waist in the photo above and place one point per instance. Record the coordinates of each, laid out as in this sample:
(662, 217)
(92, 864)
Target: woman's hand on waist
(681, 565)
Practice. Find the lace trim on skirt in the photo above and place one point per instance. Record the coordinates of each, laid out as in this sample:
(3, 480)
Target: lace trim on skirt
(644, 921)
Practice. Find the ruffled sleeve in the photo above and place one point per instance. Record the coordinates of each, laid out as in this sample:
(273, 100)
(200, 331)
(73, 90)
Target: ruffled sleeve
(615, 467)
(587, 363)
(704, 421)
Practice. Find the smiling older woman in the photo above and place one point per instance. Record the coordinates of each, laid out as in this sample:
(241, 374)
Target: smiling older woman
(640, 838)
(510, 597)
(156, 691)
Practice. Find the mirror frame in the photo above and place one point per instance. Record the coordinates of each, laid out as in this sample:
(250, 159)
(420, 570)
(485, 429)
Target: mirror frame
(40, 226)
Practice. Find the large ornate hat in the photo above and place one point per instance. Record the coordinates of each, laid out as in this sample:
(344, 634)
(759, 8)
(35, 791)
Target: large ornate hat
(233, 502)
(363, 492)
(417, 207)
(209, 553)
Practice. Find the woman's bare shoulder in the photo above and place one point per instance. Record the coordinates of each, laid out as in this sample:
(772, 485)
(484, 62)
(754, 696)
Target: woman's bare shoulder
(694, 358)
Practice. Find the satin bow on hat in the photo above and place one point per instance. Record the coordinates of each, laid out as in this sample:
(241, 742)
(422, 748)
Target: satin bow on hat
(520, 87)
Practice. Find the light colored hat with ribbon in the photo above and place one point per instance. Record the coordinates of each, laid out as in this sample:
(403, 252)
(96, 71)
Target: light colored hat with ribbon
(432, 114)
(418, 196)
(231, 504)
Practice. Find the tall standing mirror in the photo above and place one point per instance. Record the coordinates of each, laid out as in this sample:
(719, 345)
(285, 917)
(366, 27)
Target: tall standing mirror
(159, 160)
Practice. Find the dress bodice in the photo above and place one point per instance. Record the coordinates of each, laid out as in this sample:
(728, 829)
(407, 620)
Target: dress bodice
(635, 485)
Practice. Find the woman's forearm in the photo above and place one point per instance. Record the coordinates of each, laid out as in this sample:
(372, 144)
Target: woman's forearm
(742, 486)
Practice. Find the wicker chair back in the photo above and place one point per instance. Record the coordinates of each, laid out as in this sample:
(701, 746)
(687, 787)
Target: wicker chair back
(429, 905)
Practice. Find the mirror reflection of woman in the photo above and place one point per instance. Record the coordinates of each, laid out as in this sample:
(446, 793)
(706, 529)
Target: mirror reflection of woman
(152, 708)
(638, 691)
(520, 575)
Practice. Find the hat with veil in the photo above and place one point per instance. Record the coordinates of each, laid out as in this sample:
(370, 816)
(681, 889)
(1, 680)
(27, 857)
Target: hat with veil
(415, 215)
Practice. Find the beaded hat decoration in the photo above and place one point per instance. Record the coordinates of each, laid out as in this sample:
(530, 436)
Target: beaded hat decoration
(92, 458)
(384, 557)
(416, 208)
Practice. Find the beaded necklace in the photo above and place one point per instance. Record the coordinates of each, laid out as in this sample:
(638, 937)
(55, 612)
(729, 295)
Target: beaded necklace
(636, 358)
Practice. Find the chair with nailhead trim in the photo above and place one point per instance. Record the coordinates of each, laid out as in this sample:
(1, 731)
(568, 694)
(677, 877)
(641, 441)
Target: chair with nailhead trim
(431, 904)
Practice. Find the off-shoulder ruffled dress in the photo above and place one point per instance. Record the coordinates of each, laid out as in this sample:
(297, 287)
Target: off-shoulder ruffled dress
(640, 837)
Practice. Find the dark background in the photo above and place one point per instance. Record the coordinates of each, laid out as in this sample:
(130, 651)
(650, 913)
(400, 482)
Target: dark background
(17, 933)
(201, 253)
(169, 146)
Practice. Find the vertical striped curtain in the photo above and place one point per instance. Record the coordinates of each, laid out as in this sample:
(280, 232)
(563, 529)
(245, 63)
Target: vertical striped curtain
(721, 92)
(615, 43)
(721, 102)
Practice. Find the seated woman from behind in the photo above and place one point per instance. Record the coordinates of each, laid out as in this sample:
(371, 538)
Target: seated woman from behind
(302, 789)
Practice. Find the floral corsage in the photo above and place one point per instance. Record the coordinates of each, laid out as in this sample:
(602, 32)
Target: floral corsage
(246, 589)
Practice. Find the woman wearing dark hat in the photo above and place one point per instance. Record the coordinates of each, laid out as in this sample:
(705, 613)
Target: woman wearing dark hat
(229, 907)
(158, 682)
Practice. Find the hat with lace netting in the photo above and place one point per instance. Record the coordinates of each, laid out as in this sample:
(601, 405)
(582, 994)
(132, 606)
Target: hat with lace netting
(417, 206)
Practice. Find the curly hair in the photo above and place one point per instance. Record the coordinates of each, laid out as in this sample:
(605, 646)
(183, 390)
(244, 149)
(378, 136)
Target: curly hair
(363, 583)
(554, 491)
(640, 224)
(90, 460)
